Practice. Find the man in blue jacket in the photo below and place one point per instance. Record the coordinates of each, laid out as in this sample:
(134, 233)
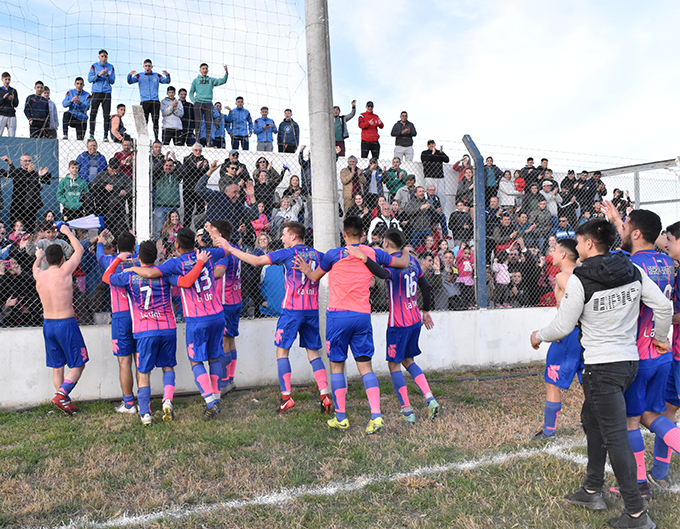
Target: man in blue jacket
(265, 128)
(289, 133)
(77, 101)
(148, 91)
(102, 76)
(239, 125)
(91, 162)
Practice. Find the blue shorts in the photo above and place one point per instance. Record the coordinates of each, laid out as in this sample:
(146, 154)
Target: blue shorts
(123, 342)
(673, 384)
(564, 360)
(402, 342)
(232, 315)
(347, 328)
(204, 338)
(64, 344)
(304, 322)
(648, 390)
(156, 351)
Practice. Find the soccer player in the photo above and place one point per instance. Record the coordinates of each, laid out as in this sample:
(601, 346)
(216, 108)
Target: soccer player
(123, 341)
(203, 314)
(64, 343)
(564, 359)
(645, 398)
(604, 295)
(153, 323)
(404, 321)
(300, 311)
(348, 319)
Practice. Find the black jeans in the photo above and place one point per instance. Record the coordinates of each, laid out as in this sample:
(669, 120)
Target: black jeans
(240, 140)
(80, 125)
(100, 98)
(603, 418)
(372, 146)
(152, 108)
(203, 112)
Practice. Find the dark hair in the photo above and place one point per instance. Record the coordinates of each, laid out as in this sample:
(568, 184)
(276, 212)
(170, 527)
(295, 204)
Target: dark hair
(425, 255)
(569, 246)
(5, 74)
(46, 226)
(600, 231)
(530, 159)
(170, 88)
(264, 108)
(103, 51)
(120, 105)
(674, 229)
(288, 110)
(353, 226)
(79, 79)
(181, 90)
(149, 61)
(224, 227)
(202, 65)
(126, 242)
(114, 163)
(544, 159)
(648, 222)
(39, 82)
(395, 237)
(148, 252)
(297, 228)
(239, 97)
(186, 238)
(54, 254)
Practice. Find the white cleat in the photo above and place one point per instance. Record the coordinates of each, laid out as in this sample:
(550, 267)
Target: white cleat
(146, 419)
(122, 409)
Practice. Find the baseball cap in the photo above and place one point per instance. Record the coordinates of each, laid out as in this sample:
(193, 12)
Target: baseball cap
(233, 151)
(546, 183)
(369, 103)
(570, 171)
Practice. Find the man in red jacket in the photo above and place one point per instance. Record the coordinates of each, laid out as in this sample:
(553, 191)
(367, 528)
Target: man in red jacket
(369, 124)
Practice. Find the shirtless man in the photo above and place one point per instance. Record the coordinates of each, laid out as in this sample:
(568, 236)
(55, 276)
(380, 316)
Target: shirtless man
(564, 357)
(63, 341)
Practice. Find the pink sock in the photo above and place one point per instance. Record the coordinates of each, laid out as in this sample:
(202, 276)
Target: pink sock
(340, 396)
(321, 381)
(168, 392)
(403, 392)
(373, 395)
(421, 381)
(640, 463)
(672, 439)
(286, 382)
(205, 385)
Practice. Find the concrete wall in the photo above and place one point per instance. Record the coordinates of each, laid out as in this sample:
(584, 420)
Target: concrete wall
(477, 339)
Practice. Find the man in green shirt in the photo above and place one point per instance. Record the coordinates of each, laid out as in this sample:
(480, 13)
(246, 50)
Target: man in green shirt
(201, 94)
(340, 126)
(72, 192)
(395, 177)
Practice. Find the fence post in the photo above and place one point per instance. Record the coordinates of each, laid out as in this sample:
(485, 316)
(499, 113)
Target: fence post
(480, 221)
(636, 188)
(142, 177)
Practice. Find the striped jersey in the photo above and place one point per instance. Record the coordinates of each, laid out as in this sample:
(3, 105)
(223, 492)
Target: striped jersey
(676, 328)
(402, 286)
(301, 293)
(202, 298)
(119, 299)
(229, 285)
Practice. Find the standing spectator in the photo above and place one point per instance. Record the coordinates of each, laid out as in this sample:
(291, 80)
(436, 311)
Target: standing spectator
(240, 176)
(91, 162)
(28, 182)
(352, 181)
(460, 166)
(532, 198)
(433, 167)
(466, 190)
(118, 130)
(188, 125)
(265, 184)
(240, 125)
(305, 170)
(404, 131)
(552, 198)
(102, 76)
(460, 224)
(166, 180)
(261, 223)
(600, 188)
(9, 101)
(418, 210)
(77, 101)
(406, 193)
(380, 224)
(585, 190)
(126, 157)
(227, 205)
(340, 126)
(359, 209)
(288, 137)
(157, 157)
(172, 111)
(505, 235)
(373, 185)
(148, 91)
(219, 127)
(620, 203)
(437, 215)
(172, 225)
(543, 168)
(37, 111)
(569, 207)
(395, 177)
(492, 176)
(529, 172)
(369, 123)
(53, 122)
(195, 166)
(525, 231)
(201, 94)
(465, 263)
(264, 129)
(518, 295)
(570, 182)
(542, 219)
(501, 280)
(73, 193)
(111, 189)
(507, 192)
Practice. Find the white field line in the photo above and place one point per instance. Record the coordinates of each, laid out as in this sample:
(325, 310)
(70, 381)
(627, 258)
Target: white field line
(556, 449)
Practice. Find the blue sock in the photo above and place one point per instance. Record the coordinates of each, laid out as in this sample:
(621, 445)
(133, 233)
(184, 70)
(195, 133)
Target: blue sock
(339, 392)
(168, 378)
(283, 368)
(637, 444)
(372, 393)
(399, 387)
(662, 458)
(224, 363)
(144, 400)
(66, 387)
(550, 413)
(232, 364)
(129, 401)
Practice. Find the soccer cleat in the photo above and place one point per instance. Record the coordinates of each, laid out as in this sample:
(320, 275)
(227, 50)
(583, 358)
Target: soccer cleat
(211, 413)
(91, 137)
(106, 139)
(590, 500)
(146, 419)
(65, 137)
(228, 388)
(326, 404)
(122, 409)
(375, 425)
(664, 484)
(626, 520)
(410, 418)
(168, 411)
(286, 404)
(340, 425)
(645, 491)
(540, 436)
(64, 404)
(433, 409)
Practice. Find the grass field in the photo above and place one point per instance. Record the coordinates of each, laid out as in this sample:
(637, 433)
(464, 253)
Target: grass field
(472, 467)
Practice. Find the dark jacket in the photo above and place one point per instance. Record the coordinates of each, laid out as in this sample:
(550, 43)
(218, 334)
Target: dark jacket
(289, 133)
(37, 107)
(419, 218)
(432, 163)
(7, 106)
(111, 202)
(457, 222)
(221, 207)
(404, 140)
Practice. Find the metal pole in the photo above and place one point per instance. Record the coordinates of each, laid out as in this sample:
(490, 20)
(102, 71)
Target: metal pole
(142, 177)
(636, 188)
(480, 221)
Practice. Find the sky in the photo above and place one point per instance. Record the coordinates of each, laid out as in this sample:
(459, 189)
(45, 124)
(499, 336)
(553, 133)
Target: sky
(587, 84)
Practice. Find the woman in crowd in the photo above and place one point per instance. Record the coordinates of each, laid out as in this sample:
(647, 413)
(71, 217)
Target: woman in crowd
(261, 223)
(507, 193)
(466, 190)
(171, 227)
(359, 209)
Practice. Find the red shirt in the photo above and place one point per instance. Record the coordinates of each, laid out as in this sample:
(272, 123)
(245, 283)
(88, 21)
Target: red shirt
(370, 132)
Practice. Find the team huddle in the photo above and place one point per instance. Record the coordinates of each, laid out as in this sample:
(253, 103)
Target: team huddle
(208, 282)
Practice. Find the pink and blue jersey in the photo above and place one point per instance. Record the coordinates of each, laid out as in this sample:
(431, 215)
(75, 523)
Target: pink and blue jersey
(119, 300)
(676, 310)
(402, 286)
(301, 293)
(202, 298)
(229, 285)
(349, 281)
(660, 269)
(150, 303)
